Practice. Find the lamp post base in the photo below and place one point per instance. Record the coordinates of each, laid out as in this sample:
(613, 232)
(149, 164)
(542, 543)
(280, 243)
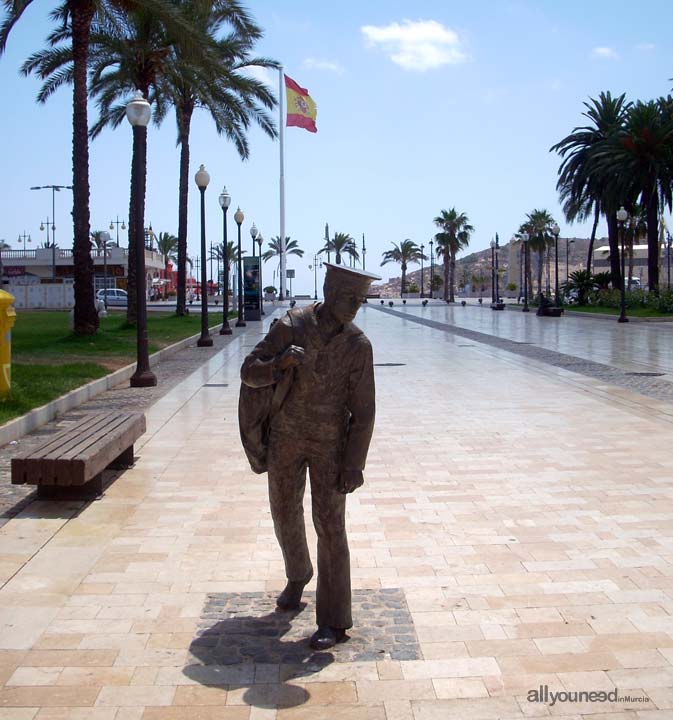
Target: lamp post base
(241, 323)
(525, 309)
(205, 341)
(143, 378)
(225, 329)
(622, 319)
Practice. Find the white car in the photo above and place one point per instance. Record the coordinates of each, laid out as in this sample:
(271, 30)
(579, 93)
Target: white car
(113, 297)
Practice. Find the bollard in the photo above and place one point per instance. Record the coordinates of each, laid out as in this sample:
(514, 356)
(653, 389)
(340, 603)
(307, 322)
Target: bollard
(7, 319)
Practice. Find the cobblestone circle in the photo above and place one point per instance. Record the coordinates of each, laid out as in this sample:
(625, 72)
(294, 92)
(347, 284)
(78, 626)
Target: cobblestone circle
(647, 385)
(246, 627)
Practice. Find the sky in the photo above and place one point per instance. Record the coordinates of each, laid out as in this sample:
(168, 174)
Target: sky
(422, 106)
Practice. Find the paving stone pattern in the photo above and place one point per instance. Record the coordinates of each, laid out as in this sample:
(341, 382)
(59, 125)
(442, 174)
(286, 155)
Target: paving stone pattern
(246, 627)
(648, 384)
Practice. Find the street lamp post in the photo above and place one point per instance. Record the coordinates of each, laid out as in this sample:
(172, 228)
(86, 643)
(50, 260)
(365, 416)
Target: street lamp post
(668, 258)
(364, 255)
(202, 178)
(497, 305)
(493, 295)
(43, 227)
(253, 234)
(568, 259)
(23, 238)
(105, 239)
(260, 240)
(622, 217)
(525, 237)
(317, 263)
(225, 201)
(239, 218)
(432, 271)
(422, 256)
(54, 189)
(138, 113)
(556, 230)
(117, 222)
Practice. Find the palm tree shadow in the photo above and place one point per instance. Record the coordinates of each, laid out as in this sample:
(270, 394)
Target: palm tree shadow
(236, 652)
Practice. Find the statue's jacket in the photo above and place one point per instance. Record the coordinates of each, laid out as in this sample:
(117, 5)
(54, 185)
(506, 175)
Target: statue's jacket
(328, 399)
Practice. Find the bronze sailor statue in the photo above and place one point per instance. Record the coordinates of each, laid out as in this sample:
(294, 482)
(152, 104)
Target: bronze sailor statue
(307, 402)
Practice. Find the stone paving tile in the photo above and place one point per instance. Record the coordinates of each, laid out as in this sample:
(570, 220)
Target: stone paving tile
(521, 517)
(644, 383)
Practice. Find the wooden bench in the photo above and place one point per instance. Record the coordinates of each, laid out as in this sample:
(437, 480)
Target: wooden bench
(69, 465)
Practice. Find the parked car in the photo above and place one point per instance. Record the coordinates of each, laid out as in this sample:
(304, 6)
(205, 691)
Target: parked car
(113, 297)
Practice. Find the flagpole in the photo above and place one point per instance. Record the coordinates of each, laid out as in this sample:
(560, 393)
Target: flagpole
(281, 129)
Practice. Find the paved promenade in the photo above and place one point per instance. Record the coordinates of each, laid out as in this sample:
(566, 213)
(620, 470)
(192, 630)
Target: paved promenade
(515, 533)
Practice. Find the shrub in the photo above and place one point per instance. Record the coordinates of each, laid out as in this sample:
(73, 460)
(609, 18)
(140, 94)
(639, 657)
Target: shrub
(269, 289)
(412, 288)
(511, 286)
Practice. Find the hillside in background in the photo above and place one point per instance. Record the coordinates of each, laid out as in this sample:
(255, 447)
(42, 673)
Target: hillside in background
(478, 265)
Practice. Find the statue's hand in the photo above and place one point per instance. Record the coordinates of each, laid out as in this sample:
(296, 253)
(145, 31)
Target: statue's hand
(350, 480)
(293, 356)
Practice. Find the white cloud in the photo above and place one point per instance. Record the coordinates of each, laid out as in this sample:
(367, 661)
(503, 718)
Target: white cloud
(262, 74)
(646, 47)
(604, 53)
(420, 45)
(313, 64)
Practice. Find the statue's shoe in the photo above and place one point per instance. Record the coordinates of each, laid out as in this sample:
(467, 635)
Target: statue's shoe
(326, 637)
(290, 598)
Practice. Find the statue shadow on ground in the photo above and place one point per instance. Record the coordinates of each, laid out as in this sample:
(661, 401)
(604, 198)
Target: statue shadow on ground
(244, 651)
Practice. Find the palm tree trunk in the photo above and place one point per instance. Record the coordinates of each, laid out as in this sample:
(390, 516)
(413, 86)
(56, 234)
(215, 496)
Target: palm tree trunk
(452, 276)
(86, 318)
(338, 258)
(184, 122)
(404, 280)
(631, 244)
(446, 277)
(653, 242)
(592, 239)
(540, 265)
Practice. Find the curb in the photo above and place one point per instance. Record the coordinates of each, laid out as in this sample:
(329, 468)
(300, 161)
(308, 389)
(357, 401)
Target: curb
(602, 316)
(14, 429)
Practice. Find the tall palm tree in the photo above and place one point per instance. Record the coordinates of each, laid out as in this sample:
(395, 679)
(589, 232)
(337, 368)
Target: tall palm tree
(341, 244)
(228, 259)
(275, 250)
(71, 40)
(214, 78)
(167, 246)
(404, 253)
(585, 190)
(538, 225)
(454, 235)
(640, 156)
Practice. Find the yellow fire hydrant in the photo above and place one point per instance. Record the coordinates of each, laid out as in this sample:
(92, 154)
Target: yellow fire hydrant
(7, 319)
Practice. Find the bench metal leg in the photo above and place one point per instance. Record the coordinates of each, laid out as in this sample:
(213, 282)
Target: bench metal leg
(124, 460)
(89, 491)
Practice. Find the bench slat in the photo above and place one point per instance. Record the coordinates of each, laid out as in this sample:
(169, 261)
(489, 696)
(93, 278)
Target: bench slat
(78, 447)
(80, 452)
(58, 466)
(61, 438)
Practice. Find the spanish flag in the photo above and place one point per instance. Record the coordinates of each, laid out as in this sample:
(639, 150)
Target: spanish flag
(301, 110)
